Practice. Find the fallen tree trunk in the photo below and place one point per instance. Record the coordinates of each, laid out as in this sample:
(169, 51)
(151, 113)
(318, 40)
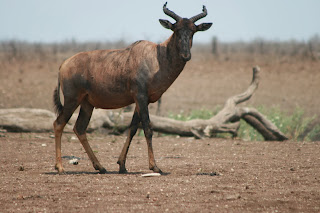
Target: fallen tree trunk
(226, 121)
(26, 120)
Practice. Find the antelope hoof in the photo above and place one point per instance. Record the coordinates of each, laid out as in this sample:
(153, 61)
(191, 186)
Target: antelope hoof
(60, 169)
(102, 171)
(123, 170)
(156, 170)
(98, 167)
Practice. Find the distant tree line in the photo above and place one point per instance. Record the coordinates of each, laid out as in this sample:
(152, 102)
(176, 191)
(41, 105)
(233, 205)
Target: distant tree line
(305, 49)
(13, 50)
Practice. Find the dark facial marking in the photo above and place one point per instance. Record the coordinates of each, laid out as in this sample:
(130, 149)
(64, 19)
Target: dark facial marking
(184, 30)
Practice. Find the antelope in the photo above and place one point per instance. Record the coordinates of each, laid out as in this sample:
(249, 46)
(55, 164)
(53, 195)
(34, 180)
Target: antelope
(111, 79)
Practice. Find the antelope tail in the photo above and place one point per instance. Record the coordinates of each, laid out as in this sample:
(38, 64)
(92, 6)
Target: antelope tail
(56, 99)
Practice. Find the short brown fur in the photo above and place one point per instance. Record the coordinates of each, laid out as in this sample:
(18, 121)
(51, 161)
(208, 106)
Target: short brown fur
(112, 79)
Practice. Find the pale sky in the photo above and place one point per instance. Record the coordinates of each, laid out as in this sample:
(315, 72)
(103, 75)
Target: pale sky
(106, 20)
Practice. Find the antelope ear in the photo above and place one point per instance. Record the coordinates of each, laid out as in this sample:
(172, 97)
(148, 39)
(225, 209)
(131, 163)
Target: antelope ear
(204, 26)
(166, 24)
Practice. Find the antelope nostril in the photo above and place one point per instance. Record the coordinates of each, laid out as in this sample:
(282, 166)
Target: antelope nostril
(186, 57)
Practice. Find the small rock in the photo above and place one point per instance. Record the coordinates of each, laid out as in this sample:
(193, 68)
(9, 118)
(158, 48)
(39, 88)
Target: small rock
(70, 157)
(214, 174)
(21, 168)
(233, 197)
(209, 174)
(74, 161)
(20, 197)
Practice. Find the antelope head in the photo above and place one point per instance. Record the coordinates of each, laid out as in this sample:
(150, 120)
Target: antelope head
(184, 29)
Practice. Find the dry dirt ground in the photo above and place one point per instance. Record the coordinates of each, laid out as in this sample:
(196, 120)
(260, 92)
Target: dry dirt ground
(211, 175)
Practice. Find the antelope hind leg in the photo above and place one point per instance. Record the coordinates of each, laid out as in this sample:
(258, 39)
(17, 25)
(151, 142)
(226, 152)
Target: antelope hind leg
(58, 126)
(80, 130)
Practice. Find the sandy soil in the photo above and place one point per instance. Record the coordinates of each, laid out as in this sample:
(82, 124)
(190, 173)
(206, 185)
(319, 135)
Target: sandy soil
(211, 175)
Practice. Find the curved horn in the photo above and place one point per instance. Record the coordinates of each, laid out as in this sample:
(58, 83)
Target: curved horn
(170, 13)
(200, 16)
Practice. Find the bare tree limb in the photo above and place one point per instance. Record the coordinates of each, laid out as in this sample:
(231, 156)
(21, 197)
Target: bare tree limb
(226, 121)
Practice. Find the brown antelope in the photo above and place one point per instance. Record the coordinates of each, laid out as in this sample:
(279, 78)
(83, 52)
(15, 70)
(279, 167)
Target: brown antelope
(111, 79)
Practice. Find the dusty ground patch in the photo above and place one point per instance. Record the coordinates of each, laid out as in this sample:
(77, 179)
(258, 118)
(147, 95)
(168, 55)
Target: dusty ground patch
(200, 176)
(211, 175)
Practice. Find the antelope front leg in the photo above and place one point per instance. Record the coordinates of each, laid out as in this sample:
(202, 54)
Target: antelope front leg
(152, 163)
(145, 120)
(132, 131)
